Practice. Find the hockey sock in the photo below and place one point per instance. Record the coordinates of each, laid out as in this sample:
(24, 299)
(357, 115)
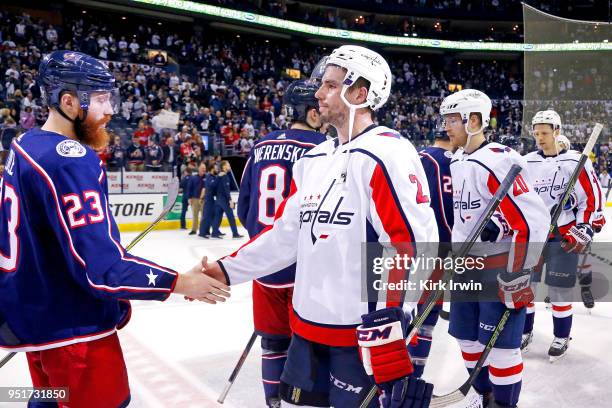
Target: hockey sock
(562, 319)
(506, 373)
(471, 351)
(272, 364)
(482, 383)
(529, 318)
(420, 352)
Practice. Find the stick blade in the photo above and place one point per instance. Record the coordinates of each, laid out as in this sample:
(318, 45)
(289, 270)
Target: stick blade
(173, 191)
(457, 399)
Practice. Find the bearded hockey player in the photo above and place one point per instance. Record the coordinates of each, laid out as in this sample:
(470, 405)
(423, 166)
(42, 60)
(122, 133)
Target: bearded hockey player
(265, 183)
(368, 185)
(65, 279)
(521, 222)
(550, 168)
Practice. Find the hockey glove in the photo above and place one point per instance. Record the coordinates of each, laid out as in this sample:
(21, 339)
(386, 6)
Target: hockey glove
(496, 229)
(577, 239)
(570, 204)
(382, 345)
(409, 392)
(514, 289)
(599, 222)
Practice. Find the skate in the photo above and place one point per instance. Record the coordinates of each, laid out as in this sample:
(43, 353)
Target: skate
(558, 348)
(587, 297)
(526, 341)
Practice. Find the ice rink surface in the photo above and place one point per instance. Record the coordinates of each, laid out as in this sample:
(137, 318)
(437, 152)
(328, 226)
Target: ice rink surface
(180, 354)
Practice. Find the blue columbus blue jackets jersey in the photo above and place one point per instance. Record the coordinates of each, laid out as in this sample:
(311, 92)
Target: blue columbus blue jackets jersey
(266, 183)
(64, 276)
(436, 162)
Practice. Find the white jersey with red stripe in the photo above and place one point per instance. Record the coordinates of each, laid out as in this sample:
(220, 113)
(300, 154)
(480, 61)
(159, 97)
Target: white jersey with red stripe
(550, 175)
(324, 222)
(476, 176)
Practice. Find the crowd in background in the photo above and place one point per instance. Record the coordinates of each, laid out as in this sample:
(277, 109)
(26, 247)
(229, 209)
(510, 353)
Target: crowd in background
(226, 91)
(367, 15)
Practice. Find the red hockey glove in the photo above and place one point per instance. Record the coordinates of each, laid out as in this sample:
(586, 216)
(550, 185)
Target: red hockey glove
(577, 239)
(382, 345)
(514, 289)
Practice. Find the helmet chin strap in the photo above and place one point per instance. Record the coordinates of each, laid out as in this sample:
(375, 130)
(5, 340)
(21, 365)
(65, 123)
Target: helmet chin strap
(352, 110)
(470, 134)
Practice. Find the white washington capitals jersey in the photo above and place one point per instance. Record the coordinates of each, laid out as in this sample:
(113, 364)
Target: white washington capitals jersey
(476, 177)
(550, 176)
(324, 223)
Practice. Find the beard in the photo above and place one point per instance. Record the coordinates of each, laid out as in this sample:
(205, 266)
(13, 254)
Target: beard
(93, 133)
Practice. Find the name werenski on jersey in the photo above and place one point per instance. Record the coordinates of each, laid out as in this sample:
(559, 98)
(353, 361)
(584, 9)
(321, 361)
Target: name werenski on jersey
(279, 152)
(462, 204)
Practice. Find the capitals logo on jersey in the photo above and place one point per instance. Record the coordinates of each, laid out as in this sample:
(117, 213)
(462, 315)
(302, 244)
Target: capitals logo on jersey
(554, 186)
(325, 212)
(464, 202)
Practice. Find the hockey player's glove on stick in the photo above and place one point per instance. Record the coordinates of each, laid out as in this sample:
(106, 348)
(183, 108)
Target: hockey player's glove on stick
(382, 347)
(409, 392)
(577, 239)
(431, 301)
(514, 289)
(236, 370)
(173, 189)
(461, 397)
(496, 229)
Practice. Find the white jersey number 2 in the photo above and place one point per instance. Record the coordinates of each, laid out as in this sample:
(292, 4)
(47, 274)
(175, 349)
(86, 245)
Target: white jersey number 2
(271, 186)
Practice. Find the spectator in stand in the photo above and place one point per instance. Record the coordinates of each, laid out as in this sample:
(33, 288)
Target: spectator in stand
(116, 161)
(181, 136)
(246, 142)
(170, 155)
(144, 133)
(188, 155)
(8, 132)
(27, 119)
(153, 156)
(135, 155)
(195, 187)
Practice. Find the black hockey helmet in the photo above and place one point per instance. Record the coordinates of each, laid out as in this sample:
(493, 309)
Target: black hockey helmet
(299, 98)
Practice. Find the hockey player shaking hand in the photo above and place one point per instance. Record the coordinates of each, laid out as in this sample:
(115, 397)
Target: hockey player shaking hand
(368, 185)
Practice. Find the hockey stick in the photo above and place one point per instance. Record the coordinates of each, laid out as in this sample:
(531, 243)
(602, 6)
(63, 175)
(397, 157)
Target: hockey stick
(237, 368)
(173, 189)
(461, 394)
(432, 299)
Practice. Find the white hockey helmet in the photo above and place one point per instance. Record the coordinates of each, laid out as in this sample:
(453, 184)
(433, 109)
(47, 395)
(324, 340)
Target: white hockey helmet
(365, 63)
(563, 142)
(549, 117)
(466, 102)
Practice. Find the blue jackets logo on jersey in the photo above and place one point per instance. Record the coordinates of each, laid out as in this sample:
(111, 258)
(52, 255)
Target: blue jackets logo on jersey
(70, 148)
